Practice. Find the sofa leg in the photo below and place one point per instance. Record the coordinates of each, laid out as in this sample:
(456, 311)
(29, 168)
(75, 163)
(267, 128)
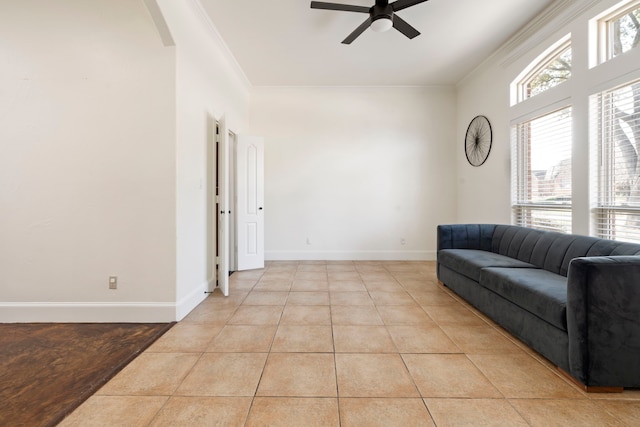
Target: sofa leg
(588, 388)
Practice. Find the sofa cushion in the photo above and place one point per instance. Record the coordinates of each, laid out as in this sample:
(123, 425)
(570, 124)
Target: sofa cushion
(553, 251)
(469, 236)
(538, 291)
(470, 261)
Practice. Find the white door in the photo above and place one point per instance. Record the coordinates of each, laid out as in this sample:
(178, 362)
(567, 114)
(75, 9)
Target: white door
(212, 216)
(250, 202)
(224, 208)
(231, 179)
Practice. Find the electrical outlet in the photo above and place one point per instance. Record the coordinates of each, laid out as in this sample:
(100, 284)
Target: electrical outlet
(113, 282)
(403, 242)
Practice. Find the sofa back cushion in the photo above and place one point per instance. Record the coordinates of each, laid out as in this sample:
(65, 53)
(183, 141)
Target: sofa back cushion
(466, 236)
(553, 251)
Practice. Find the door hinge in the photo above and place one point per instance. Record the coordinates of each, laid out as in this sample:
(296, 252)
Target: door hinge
(217, 260)
(218, 199)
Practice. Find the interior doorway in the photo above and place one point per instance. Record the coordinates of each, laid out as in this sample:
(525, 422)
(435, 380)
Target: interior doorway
(220, 258)
(235, 200)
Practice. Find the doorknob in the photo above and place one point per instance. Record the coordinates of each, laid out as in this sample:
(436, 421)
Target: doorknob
(260, 208)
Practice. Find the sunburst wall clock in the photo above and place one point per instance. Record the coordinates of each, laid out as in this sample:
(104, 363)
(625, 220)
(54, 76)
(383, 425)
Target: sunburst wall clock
(477, 142)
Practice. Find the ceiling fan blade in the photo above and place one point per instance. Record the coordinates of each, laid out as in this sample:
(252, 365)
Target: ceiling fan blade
(406, 29)
(403, 4)
(336, 6)
(366, 24)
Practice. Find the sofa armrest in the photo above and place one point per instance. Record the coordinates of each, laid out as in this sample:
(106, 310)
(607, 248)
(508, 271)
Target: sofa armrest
(603, 320)
(465, 236)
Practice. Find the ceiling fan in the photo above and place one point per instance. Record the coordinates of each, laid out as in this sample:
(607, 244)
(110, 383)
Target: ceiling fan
(381, 16)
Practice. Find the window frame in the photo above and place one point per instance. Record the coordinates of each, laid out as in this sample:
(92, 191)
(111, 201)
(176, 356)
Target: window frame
(521, 83)
(602, 27)
(522, 205)
(604, 207)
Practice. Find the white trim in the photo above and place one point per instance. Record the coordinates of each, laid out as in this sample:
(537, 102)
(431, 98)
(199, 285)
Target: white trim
(535, 68)
(614, 72)
(87, 312)
(526, 111)
(191, 301)
(101, 312)
(350, 255)
(599, 52)
(161, 24)
(215, 34)
(533, 34)
(563, 12)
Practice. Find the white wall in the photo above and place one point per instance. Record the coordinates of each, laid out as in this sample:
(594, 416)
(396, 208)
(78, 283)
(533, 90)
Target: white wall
(484, 193)
(355, 170)
(209, 85)
(87, 162)
(104, 137)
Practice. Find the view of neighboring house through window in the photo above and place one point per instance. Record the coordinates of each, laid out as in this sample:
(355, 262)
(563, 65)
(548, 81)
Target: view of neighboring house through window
(542, 133)
(542, 169)
(541, 147)
(617, 115)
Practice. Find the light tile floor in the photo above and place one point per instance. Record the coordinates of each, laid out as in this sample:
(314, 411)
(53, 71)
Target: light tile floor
(344, 343)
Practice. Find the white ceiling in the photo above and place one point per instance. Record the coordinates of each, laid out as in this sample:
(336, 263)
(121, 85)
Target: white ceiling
(285, 42)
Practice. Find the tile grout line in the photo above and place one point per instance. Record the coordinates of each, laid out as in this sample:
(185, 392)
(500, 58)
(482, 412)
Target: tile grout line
(335, 359)
(513, 403)
(404, 363)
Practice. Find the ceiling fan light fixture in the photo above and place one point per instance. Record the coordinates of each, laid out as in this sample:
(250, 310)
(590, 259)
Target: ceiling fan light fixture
(381, 18)
(382, 24)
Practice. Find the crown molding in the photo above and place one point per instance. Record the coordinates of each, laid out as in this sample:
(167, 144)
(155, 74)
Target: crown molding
(202, 14)
(555, 17)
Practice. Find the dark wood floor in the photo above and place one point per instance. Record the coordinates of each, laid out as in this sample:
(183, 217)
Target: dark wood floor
(47, 370)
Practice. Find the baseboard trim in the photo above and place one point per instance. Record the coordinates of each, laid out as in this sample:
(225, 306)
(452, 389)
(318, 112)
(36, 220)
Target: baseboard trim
(191, 301)
(87, 312)
(350, 255)
(102, 312)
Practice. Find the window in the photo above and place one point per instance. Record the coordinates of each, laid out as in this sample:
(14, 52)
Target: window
(622, 31)
(542, 172)
(619, 31)
(554, 72)
(616, 114)
(549, 70)
(582, 138)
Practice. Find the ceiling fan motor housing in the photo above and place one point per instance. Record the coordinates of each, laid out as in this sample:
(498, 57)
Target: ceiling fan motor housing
(381, 12)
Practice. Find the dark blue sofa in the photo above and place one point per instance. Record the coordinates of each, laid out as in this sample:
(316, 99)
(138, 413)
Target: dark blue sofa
(574, 299)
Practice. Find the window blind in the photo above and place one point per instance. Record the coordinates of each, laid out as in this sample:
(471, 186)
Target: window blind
(542, 172)
(616, 113)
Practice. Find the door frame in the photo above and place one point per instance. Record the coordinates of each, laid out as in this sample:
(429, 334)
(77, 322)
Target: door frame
(219, 247)
(223, 206)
